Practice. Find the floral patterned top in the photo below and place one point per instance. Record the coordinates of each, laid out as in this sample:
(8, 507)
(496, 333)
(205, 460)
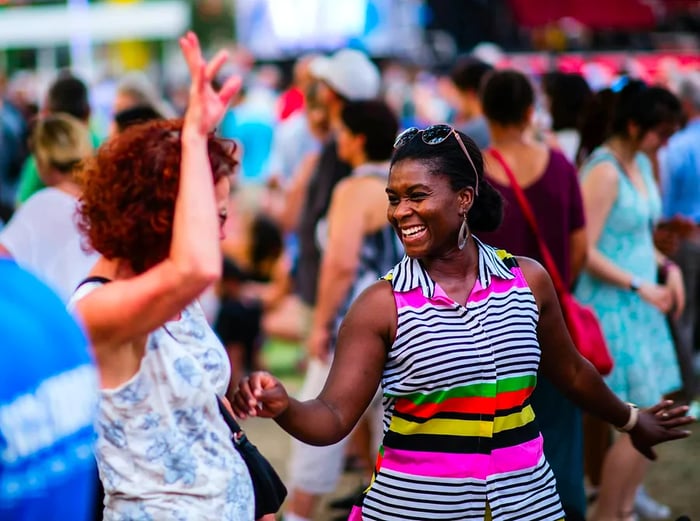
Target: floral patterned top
(163, 449)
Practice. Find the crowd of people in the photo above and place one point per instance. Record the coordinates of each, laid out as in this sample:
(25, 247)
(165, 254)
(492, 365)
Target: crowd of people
(145, 268)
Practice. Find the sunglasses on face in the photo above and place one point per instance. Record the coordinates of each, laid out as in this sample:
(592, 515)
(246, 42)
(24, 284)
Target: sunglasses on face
(434, 135)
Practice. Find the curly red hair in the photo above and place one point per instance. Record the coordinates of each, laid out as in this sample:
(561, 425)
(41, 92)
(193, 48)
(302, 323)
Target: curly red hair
(129, 189)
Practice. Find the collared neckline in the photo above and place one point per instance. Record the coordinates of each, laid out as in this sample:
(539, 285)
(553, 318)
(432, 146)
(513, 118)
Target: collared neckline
(410, 273)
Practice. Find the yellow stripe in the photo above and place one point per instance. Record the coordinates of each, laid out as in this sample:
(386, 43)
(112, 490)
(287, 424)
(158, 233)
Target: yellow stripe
(449, 427)
(442, 426)
(513, 421)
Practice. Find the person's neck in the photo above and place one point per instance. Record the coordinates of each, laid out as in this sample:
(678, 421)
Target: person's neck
(469, 109)
(358, 160)
(456, 264)
(504, 137)
(68, 187)
(624, 149)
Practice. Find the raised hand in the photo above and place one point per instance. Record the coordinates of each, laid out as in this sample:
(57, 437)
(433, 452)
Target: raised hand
(260, 394)
(658, 424)
(206, 106)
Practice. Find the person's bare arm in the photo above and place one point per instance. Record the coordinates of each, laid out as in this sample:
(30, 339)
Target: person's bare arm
(580, 381)
(600, 190)
(295, 198)
(363, 341)
(347, 225)
(578, 246)
(123, 310)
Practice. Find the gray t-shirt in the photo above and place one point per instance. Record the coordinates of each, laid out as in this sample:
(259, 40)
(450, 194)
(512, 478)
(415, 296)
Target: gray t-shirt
(478, 130)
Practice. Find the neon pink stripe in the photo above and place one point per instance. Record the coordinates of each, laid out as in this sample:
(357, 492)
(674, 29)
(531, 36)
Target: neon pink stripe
(478, 466)
(355, 514)
(413, 298)
(500, 286)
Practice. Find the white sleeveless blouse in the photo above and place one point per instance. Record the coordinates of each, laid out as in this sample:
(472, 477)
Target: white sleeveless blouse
(163, 449)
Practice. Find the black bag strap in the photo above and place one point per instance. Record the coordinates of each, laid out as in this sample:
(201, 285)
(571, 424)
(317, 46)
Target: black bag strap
(228, 418)
(94, 278)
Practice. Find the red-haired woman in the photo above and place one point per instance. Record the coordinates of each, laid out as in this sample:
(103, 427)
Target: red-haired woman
(153, 206)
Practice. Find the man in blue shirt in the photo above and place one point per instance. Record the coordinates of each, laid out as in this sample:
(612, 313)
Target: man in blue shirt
(48, 399)
(680, 178)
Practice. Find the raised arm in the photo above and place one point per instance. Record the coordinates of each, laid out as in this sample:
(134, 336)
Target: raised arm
(580, 381)
(364, 338)
(125, 309)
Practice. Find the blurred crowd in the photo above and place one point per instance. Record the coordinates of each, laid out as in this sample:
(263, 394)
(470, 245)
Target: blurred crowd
(306, 224)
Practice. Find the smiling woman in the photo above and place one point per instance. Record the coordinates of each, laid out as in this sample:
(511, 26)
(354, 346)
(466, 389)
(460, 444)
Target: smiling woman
(455, 334)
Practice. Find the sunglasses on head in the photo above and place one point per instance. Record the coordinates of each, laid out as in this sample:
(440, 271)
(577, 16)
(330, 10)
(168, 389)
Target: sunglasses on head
(434, 135)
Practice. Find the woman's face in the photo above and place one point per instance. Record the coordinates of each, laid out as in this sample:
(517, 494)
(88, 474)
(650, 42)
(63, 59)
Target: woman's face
(221, 192)
(657, 137)
(423, 209)
(348, 144)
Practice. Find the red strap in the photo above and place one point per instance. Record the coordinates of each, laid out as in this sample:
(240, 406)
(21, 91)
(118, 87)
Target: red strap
(532, 221)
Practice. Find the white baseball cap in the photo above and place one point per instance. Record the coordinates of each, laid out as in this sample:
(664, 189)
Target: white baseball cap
(350, 73)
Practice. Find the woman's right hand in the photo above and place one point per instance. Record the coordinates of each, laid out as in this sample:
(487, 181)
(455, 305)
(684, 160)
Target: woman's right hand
(205, 106)
(658, 296)
(658, 424)
(260, 394)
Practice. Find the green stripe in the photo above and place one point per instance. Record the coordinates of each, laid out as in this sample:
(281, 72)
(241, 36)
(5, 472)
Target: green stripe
(485, 389)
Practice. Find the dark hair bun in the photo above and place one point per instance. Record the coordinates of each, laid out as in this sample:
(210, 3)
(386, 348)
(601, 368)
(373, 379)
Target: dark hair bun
(486, 214)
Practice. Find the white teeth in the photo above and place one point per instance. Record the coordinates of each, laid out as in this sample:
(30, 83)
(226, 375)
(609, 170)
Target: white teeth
(413, 230)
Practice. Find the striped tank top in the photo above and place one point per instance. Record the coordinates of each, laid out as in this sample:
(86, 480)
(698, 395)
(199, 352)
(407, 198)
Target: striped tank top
(459, 431)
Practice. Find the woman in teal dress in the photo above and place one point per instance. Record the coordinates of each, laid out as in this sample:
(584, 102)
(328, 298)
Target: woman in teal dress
(621, 201)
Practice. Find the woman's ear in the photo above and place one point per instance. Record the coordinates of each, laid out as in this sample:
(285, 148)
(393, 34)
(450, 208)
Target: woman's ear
(466, 198)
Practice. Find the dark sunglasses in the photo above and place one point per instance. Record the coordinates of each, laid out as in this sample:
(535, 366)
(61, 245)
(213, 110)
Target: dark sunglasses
(434, 135)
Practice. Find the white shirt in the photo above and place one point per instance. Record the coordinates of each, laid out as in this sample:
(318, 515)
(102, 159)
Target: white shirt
(163, 449)
(43, 238)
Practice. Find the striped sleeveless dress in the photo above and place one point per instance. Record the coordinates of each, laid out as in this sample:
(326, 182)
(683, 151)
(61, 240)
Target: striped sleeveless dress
(460, 438)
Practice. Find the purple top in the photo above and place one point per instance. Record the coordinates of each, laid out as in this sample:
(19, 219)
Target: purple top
(556, 201)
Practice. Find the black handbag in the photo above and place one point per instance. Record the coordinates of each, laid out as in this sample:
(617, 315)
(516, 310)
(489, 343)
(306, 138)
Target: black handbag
(269, 490)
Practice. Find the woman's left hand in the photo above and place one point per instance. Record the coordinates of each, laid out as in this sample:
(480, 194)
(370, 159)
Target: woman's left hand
(658, 424)
(674, 282)
(206, 106)
(260, 394)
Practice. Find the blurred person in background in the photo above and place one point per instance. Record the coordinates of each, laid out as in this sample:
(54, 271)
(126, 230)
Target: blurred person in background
(163, 448)
(137, 100)
(567, 95)
(48, 400)
(135, 89)
(69, 95)
(251, 120)
(292, 138)
(255, 281)
(291, 197)
(359, 246)
(42, 236)
(680, 191)
(13, 150)
(291, 101)
(550, 184)
(348, 75)
(132, 116)
(467, 76)
(621, 201)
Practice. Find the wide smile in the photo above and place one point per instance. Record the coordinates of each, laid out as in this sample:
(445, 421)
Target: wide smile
(412, 234)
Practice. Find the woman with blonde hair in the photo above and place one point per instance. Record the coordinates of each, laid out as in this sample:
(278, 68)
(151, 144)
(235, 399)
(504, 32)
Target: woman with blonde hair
(42, 235)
